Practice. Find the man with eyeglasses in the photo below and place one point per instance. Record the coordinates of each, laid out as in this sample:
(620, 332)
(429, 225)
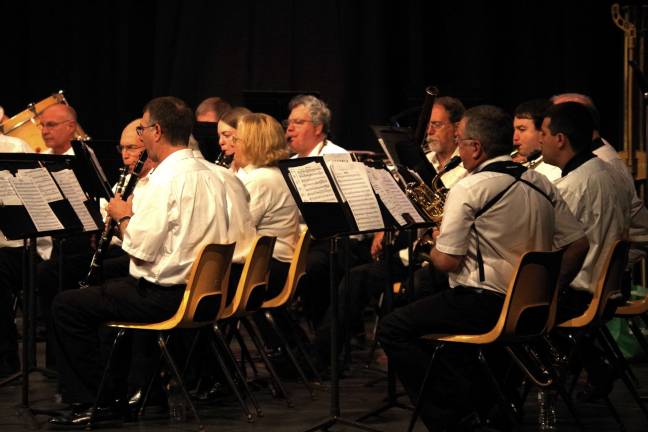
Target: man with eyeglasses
(483, 234)
(184, 207)
(307, 127)
(58, 124)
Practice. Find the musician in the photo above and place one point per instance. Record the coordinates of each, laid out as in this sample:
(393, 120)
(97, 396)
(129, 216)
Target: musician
(527, 128)
(260, 143)
(440, 137)
(590, 190)
(603, 150)
(226, 134)
(308, 126)
(58, 125)
(212, 109)
(523, 219)
(184, 207)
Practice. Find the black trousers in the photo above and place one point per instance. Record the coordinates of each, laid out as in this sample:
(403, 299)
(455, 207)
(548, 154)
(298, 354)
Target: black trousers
(81, 339)
(456, 387)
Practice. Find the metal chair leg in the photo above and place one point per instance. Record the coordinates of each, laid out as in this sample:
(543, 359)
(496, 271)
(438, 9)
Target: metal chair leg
(104, 376)
(237, 372)
(174, 371)
(426, 379)
(289, 352)
(277, 384)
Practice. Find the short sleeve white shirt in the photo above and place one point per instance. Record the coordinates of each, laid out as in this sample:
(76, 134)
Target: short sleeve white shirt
(183, 207)
(521, 220)
(604, 212)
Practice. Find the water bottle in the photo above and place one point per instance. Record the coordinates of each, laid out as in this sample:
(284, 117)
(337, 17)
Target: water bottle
(177, 409)
(547, 410)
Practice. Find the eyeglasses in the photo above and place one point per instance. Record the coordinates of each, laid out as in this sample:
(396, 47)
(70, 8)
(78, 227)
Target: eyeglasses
(437, 124)
(129, 148)
(52, 125)
(297, 122)
(140, 129)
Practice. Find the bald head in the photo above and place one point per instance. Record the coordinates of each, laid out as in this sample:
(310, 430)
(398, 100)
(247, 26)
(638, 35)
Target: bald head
(585, 101)
(58, 127)
(130, 145)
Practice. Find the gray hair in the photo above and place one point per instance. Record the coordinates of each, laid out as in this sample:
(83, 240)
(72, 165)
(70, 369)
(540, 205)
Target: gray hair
(317, 108)
(492, 127)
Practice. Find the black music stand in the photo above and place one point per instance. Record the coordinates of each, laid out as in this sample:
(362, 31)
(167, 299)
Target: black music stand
(333, 221)
(17, 223)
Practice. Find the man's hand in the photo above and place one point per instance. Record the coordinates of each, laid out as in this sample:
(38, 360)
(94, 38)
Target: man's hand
(376, 245)
(118, 208)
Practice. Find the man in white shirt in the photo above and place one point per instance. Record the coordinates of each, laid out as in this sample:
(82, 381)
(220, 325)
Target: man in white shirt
(520, 220)
(527, 125)
(440, 137)
(184, 208)
(58, 125)
(307, 127)
(589, 187)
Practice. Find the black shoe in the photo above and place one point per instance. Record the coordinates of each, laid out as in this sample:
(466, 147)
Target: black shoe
(80, 414)
(156, 400)
(217, 391)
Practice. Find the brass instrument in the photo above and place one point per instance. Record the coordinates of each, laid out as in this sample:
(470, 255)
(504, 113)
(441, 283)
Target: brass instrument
(532, 161)
(125, 189)
(430, 200)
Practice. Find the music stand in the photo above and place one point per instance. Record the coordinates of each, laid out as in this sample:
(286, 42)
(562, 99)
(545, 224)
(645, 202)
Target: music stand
(19, 220)
(332, 217)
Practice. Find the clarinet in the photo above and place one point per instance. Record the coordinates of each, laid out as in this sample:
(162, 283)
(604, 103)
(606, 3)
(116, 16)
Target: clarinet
(125, 189)
(224, 160)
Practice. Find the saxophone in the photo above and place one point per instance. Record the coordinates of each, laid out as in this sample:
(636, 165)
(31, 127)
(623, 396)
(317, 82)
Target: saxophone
(125, 189)
(430, 200)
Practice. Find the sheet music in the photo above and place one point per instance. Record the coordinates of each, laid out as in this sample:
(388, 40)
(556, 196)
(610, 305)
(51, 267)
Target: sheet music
(43, 181)
(311, 182)
(40, 212)
(75, 195)
(5, 174)
(392, 196)
(353, 184)
(8, 195)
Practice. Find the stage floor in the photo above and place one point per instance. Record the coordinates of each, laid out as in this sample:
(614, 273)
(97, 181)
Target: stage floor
(356, 399)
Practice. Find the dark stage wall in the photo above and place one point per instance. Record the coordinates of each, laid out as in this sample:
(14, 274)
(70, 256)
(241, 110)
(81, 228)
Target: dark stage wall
(368, 59)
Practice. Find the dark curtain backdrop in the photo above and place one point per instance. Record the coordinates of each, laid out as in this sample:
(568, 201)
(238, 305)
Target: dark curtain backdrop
(368, 59)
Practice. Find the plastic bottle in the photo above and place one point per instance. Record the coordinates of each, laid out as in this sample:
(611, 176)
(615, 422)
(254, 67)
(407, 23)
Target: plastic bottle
(177, 408)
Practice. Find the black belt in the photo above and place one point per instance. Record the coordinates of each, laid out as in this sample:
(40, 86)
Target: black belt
(472, 290)
(143, 283)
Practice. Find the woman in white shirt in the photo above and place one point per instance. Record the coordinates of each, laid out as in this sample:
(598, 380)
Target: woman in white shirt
(260, 143)
(226, 133)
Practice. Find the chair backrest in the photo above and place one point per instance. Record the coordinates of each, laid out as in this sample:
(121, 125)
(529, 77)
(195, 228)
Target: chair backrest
(608, 285)
(531, 296)
(296, 271)
(206, 287)
(252, 286)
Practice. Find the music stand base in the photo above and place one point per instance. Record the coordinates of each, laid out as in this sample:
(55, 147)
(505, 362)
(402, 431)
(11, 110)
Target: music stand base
(332, 421)
(387, 406)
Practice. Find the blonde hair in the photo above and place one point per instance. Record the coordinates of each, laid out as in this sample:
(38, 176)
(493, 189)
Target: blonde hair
(261, 139)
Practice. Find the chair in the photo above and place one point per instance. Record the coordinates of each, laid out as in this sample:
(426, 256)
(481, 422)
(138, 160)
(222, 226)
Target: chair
(280, 302)
(606, 291)
(526, 314)
(205, 292)
(249, 297)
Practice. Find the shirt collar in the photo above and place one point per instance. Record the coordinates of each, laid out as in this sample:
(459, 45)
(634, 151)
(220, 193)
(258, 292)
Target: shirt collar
(492, 160)
(576, 161)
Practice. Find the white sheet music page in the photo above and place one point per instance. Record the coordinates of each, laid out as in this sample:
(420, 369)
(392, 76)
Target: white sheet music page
(311, 182)
(43, 181)
(8, 195)
(42, 215)
(353, 184)
(392, 196)
(71, 188)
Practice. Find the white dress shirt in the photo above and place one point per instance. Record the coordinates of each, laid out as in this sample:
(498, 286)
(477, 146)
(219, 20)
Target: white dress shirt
(452, 176)
(552, 172)
(602, 208)
(239, 220)
(183, 207)
(273, 209)
(638, 211)
(322, 148)
(522, 220)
